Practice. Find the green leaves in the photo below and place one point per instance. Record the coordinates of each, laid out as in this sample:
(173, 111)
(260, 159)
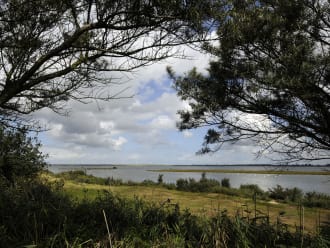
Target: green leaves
(273, 62)
(61, 50)
(20, 158)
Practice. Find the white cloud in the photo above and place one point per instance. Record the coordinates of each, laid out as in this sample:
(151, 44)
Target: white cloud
(62, 154)
(162, 122)
(118, 143)
(141, 129)
(187, 134)
(107, 125)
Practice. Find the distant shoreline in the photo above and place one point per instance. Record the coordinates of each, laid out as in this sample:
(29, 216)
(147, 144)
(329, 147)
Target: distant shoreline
(277, 172)
(196, 165)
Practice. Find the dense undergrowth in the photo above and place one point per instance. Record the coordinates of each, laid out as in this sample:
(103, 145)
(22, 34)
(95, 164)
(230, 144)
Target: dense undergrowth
(39, 214)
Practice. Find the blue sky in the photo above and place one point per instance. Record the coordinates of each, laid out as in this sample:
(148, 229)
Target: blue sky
(137, 130)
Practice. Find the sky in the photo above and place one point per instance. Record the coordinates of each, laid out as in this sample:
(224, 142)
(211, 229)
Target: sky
(137, 130)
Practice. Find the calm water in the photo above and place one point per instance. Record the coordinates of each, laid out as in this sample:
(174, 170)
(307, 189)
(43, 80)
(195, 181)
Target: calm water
(138, 173)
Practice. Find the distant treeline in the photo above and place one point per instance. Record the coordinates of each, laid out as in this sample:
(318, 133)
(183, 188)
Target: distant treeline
(93, 166)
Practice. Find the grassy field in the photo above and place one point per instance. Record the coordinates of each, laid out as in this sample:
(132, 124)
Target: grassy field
(277, 172)
(204, 204)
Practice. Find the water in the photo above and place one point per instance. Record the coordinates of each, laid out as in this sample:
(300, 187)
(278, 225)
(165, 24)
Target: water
(139, 173)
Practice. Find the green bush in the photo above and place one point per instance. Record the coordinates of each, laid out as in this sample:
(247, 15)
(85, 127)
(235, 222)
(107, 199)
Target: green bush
(160, 179)
(114, 182)
(309, 199)
(314, 199)
(182, 184)
(148, 182)
(208, 185)
(278, 193)
(203, 185)
(295, 194)
(225, 182)
(80, 176)
(31, 212)
(20, 158)
(170, 186)
(251, 188)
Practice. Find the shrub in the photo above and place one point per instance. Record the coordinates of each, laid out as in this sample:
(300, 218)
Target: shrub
(20, 158)
(278, 193)
(227, 191)
(208, 185)
(80, 176)
(114, 182)
(182, 184)
(30, 213)
(251, 190)
(170, 186)
(203, 185)
(286, 194)
(295, 194)
(160, 178)
(313, 199)
(225, 182)
(148, 182)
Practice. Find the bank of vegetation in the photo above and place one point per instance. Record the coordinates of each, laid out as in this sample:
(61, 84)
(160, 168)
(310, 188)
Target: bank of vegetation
(278, 193)
(40, 212)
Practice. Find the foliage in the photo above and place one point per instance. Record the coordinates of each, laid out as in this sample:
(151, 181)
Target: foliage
(20, 158)
(40, 214)
(313, 199)
(29, 212)
(53, 51)
(293, 195)
(251, 188)
(203, 185)
(113, 181)
(280, 193)
(80, 176)
(160, 179)
(270, 81)
(225, 182)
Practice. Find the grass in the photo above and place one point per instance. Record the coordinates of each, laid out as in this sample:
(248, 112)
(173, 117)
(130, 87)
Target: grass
(277, 172)
(67, 210)
(201, 204)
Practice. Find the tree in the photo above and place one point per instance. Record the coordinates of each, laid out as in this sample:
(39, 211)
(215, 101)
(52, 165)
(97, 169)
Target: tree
(20, 157)
(160, 179)
(270, 82)
(53, 51)
(225, 182)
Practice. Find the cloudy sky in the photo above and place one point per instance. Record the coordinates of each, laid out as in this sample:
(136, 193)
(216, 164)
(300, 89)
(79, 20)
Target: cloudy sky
(137, 130)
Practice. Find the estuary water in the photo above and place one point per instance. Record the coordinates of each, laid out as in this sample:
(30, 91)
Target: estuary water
(139, 173)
